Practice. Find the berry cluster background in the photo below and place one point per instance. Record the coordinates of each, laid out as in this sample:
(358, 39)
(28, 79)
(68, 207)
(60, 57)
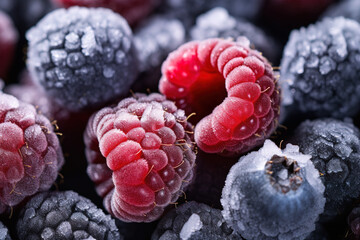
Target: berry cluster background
(180, 119)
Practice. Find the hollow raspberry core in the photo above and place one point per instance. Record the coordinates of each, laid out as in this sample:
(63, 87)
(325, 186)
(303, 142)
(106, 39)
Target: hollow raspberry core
(231, 88)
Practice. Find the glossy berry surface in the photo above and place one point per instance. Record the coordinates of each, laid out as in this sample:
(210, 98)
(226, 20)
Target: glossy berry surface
(8, 39)
(140, 156)
(83, 57)
(231, 88)
(30, 153)
(64, 215)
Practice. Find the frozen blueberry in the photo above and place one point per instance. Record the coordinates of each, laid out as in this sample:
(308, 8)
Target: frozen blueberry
(217, 23)
(348, 8)
(273, 194)
(4, 232)
(320, 69)
(83, 57)
(194, 221)
(335, 149)
(64, 215)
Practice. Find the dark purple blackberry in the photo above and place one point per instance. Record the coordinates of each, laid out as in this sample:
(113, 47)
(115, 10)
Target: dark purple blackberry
(217, 23)
(273, 194)
(320, 69)
(30, 152)
(194, 221)
(64, 215)
(4, 232)
(154, 40)
(347, 8)
(335, 149)
(83, 57)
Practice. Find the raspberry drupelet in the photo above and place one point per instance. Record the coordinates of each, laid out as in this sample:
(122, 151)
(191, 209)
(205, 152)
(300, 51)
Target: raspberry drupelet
(231, 88)
(140, 156)
(30, 153)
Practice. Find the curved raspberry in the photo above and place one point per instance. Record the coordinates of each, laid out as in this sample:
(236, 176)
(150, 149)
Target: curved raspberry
(8, 39)
(4, 232)
(83, 57)
(232, 83)
(132, 10)
(64, 215)
(30, 153)
(140, 156)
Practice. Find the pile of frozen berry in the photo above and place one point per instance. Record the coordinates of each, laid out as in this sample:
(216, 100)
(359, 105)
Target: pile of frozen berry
(180, 119)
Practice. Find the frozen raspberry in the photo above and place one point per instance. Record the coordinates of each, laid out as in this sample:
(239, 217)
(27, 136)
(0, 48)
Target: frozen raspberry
(132, 10)
(273, 194)
(229, 83)
(4, 232)
(209, 178)
(194, 221)
(64, 215)
(30, 152)
(8, 39)
(83, 57)
(348, 9)
(217, 23)
(140, 156)
(335, 149)
(320, 68)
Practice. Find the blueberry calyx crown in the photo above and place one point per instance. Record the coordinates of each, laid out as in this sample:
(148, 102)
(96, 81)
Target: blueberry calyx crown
(284, 173)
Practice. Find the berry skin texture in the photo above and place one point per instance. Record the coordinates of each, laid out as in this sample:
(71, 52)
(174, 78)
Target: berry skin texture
(335, 149)
(64, 215)
(320, 69)
(30, 152)
(194, 221)
(4, 232)
(230, 87)
(132, 10)
(217, 23)
(140, 156)
(83, 57)
(8, 39)
(273, 194)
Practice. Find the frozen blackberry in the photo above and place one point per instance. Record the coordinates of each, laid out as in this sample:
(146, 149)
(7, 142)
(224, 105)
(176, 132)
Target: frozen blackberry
(140, 156)
(320, 69)
(83, 57)
(194, 221)
(132, 10)
(273, 194)
(335, 149)
(4, 232)
(64, 215)
(30, 153)
(217, 23)
(231, 88)
(8, 39)
(347, 8)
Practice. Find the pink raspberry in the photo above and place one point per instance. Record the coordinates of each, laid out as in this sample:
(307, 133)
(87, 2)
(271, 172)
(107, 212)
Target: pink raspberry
(230, 87)
(140, 156)
(8, 39)
(30, 153)
(132, 10)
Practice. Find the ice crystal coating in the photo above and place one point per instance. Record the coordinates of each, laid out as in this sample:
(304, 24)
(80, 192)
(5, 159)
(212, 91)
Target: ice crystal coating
(4, 232)
(140, 156)
(83, 57)
(30, 152)
(194, 221)
(255, 205)
(64, 215)
(348, 9)
(217, 23)
(335, 149)
(320, 69)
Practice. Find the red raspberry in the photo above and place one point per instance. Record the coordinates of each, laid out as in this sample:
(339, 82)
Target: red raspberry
(30, 153)
(229, 83)
(132, 10)
(8, 39)
(140, 156)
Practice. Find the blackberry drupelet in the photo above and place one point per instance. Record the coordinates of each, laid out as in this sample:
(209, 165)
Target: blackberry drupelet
(83, 57)
(4, 232)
